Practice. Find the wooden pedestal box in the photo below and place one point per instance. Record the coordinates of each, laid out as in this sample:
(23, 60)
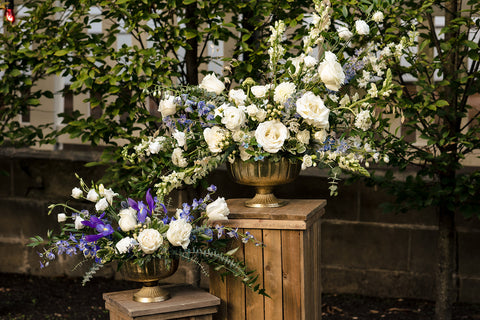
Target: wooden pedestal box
(288, 265)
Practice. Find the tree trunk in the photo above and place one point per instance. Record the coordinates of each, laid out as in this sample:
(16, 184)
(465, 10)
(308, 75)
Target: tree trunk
(191, 54)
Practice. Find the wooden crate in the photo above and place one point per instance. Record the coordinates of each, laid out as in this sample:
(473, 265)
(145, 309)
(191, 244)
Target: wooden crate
(186, 303)
(288, 266)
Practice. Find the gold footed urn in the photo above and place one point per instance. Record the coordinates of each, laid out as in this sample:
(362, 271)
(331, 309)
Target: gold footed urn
(149, 274)
(264, 175)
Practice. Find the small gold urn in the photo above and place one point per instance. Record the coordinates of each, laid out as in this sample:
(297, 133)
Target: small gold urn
(149, 274)
(264, 175)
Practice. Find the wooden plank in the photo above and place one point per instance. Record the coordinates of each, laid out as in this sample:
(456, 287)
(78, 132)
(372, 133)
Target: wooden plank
(317, 245)
(293, 268)
(236, 289)
(272, 274)
(309, 276)
(218, 287)
(264, 224)
(255, 309)
(297, 209)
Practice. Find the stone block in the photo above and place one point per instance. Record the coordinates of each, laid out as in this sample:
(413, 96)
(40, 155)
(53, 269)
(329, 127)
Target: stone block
(379, 283)
(423, 256)
(468, 291)
(469, 253)
(364, 246)
(6, 179)
(13, 258)
(467, 223)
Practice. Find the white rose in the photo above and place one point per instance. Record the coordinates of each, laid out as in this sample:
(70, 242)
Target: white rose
(344, 33)
(320, 136)
(233, 118)
(154, 147)
(217, 210)
(178, 159)
(331, 72)
(362, 27)
(238, 96)
(178, 233)
(252, 110)
(310, 61)
(77, 193)
(378, 16)
(149, 240)
(128, 219)
(303, 136)
(260, 91)
(78, 222)
(167, 106)
(213, 136)
(244, 155)
(211, 84)
(101, 205)
(271, 135)
(125, 245)
(313, 110)
(61, 217)
(92, 195)
(180, 137)
(261, 115)
(283, 91)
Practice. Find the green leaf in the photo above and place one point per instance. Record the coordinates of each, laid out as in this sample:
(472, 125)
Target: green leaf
(61, 53)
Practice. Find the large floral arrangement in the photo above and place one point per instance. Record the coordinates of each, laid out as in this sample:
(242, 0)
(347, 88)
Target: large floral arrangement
(317, 107)
(116, 230)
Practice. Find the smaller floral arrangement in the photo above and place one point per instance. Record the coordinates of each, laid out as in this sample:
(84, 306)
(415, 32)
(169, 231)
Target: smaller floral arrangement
(120, 230)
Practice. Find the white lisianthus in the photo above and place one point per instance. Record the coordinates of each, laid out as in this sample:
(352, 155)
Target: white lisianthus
(303, 136)
(362, 27)
(178, 233)
(109, 194)
(125, 245)
(180, 137)
(307, 162)
(310, 62)
(344, 33)
(149, 240)
(92, 195)
(214, 136)
(154, 147)
(78, 222)
(386, 159)
(363, 120)
(271, 135)
(77, 193)
(320, 136)
(283, 91)
(378, 16)
(331, 72)
(178, 159)
(61, 217)
(217, 210)
(210, 83)
(237, 96)
(312, 108)
(128, 219)
(167, 106)
(260, 91)
(101, 205)
(233, 118)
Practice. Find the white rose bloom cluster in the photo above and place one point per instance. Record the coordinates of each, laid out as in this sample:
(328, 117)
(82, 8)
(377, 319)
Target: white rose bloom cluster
(214, 137)
(331, 72)
(167, 106)
(238, 96)
(362, 27)
(312, 108)
(125, 245)
(149, 240)
(344, 33)
(283, 91)
(233, 118)
(210, 83)
(271, 135)
(218, 210)
(128, 219)
(260, 91)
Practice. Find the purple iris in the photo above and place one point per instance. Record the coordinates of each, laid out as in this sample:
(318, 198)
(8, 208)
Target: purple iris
(101, 227)
(145, 209)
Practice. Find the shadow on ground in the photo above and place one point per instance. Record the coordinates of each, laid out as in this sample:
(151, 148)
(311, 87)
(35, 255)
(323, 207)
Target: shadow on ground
(37, 298)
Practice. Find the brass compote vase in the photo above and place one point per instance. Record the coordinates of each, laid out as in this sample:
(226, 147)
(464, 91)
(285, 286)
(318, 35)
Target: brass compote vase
(149, 274)
(264, 175)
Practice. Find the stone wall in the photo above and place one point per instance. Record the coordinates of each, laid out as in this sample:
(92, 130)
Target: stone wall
(364, 251)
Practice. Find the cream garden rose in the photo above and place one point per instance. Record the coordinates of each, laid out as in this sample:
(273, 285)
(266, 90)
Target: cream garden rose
(214, 136)
(149, 240)
(362, 27)
(260, 91)
(233, 118)
(128, 219)
(178, 159)
(238, 96)
(312, 108)
(178, 233)
(210, 83)
(331, 72)
(167, 106)
(283, 91)
(180, 137)
(271, 135)
(125, 245)
(344, 33)
(218, 210)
